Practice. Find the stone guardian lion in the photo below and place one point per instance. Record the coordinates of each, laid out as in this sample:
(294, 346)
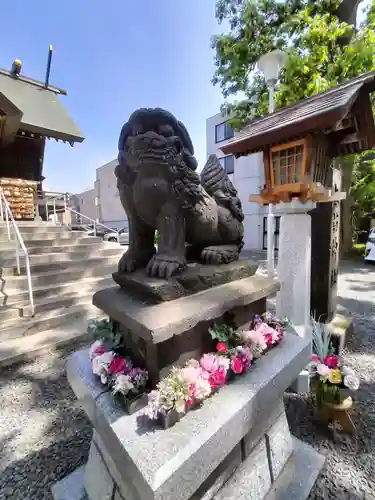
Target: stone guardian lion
(197, 217)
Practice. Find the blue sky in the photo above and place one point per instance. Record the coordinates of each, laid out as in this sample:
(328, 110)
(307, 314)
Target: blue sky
(114, 56)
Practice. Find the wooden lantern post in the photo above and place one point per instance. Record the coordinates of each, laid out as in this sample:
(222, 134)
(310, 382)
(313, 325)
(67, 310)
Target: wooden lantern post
(300, 145)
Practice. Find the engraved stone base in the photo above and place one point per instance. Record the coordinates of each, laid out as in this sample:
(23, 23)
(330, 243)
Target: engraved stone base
(167, 333)
(195, 278)
(237, 445)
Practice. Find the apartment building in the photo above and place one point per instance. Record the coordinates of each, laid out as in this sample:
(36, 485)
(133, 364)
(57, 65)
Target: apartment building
(247, 175)
(84, 203)
(107, 203)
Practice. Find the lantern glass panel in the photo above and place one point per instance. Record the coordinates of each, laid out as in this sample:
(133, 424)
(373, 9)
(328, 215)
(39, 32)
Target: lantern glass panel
(287, 164)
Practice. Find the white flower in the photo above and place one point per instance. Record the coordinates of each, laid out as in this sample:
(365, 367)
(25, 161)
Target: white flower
(351, 381)
(123, 384)
(323, 370)
(223, 362)
(100, 366)
(96, 345)
(202, 389)
(153, 406)
(180, 405)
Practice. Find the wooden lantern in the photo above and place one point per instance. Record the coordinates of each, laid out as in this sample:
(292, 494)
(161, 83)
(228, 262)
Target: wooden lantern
(295, 169)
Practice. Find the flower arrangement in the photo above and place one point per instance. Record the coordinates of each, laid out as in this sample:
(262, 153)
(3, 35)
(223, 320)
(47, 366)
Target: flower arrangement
(331, 380)
(125, 381)
(184, 388)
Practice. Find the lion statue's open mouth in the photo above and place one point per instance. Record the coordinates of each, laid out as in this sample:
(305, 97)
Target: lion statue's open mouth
(150, 147)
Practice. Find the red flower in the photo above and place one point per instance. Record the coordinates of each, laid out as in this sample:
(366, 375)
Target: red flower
(268, 339)
(331, 361)
(189, 402)
(98, 351)
(117, 365)
(221, 347)
(315, 359)
(218, 378)
(237, 366)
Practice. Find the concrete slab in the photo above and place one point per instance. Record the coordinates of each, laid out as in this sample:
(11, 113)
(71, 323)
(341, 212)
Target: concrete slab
(71, 487)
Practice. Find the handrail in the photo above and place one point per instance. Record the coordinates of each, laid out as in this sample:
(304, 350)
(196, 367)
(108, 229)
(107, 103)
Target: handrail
(4, 207)
(93, 221)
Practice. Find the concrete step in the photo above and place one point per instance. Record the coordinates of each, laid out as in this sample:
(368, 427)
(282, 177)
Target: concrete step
(61, 265)
(17, 350)
(22, 327)
(47, 235)
(60, 240)
(39, 229)
(22, 309)
(13, 284)
(91, 252)
(87, 285)
(9, 253)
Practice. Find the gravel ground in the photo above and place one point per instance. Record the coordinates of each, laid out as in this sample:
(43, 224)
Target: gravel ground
(44, 435)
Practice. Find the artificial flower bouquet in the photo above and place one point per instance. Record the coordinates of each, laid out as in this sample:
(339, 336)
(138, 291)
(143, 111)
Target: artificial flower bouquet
(127, 382)
(185, 388)
(331, 380)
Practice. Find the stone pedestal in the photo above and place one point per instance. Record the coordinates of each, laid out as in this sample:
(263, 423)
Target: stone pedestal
(169, 333)
(237, 445)
(294, 273)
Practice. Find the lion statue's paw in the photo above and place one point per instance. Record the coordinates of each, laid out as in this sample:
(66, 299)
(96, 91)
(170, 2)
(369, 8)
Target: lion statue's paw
(164, 266)
(216, 255)
(132, 260)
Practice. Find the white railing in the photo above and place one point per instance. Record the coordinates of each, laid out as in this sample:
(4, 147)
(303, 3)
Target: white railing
(80, 216)
(93, 221)
(7, 216)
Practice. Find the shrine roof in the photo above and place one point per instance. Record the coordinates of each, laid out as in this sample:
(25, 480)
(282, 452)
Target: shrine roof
(35, 108)
(318, 113)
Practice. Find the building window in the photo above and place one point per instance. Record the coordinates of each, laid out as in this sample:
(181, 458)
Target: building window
(223, 131)
(228, 164)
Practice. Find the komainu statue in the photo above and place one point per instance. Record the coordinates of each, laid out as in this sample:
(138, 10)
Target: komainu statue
(197, 217)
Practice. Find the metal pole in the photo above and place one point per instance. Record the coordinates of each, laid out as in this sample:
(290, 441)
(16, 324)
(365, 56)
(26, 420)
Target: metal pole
(47, 214)
(94, 228)
(270, 216)
(54, 212)
(18, 257)
(1, 207)
(7, 221)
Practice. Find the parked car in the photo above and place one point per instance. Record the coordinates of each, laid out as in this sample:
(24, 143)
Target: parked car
(89, 229)
(123, 236)
(370, 247)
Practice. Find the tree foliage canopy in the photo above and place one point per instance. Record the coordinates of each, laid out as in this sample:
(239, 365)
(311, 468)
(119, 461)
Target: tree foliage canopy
(324, 49)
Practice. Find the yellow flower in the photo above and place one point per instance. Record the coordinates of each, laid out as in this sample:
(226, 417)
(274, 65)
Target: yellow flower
(335, 376)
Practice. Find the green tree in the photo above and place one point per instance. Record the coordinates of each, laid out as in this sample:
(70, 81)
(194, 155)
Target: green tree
(324, 48)
(362, 189)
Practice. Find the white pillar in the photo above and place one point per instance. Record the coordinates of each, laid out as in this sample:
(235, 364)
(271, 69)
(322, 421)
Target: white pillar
(294, 272)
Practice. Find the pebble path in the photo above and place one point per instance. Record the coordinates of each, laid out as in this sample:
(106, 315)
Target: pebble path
(44, 435)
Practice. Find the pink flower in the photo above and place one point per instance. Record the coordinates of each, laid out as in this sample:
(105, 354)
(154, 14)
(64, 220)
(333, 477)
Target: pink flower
(191, 374)
(331, 361)
(237, 366)
(218, 378)
(97, 349)
(117, 365)
(253, 337)
(315, 359)
(221, 347)
(209, 362)
(268, 339)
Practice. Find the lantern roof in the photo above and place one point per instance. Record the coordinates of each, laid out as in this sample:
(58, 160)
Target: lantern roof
(344, 110)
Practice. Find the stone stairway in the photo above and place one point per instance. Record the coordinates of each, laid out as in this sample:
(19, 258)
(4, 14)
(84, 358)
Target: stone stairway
(66, 269)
